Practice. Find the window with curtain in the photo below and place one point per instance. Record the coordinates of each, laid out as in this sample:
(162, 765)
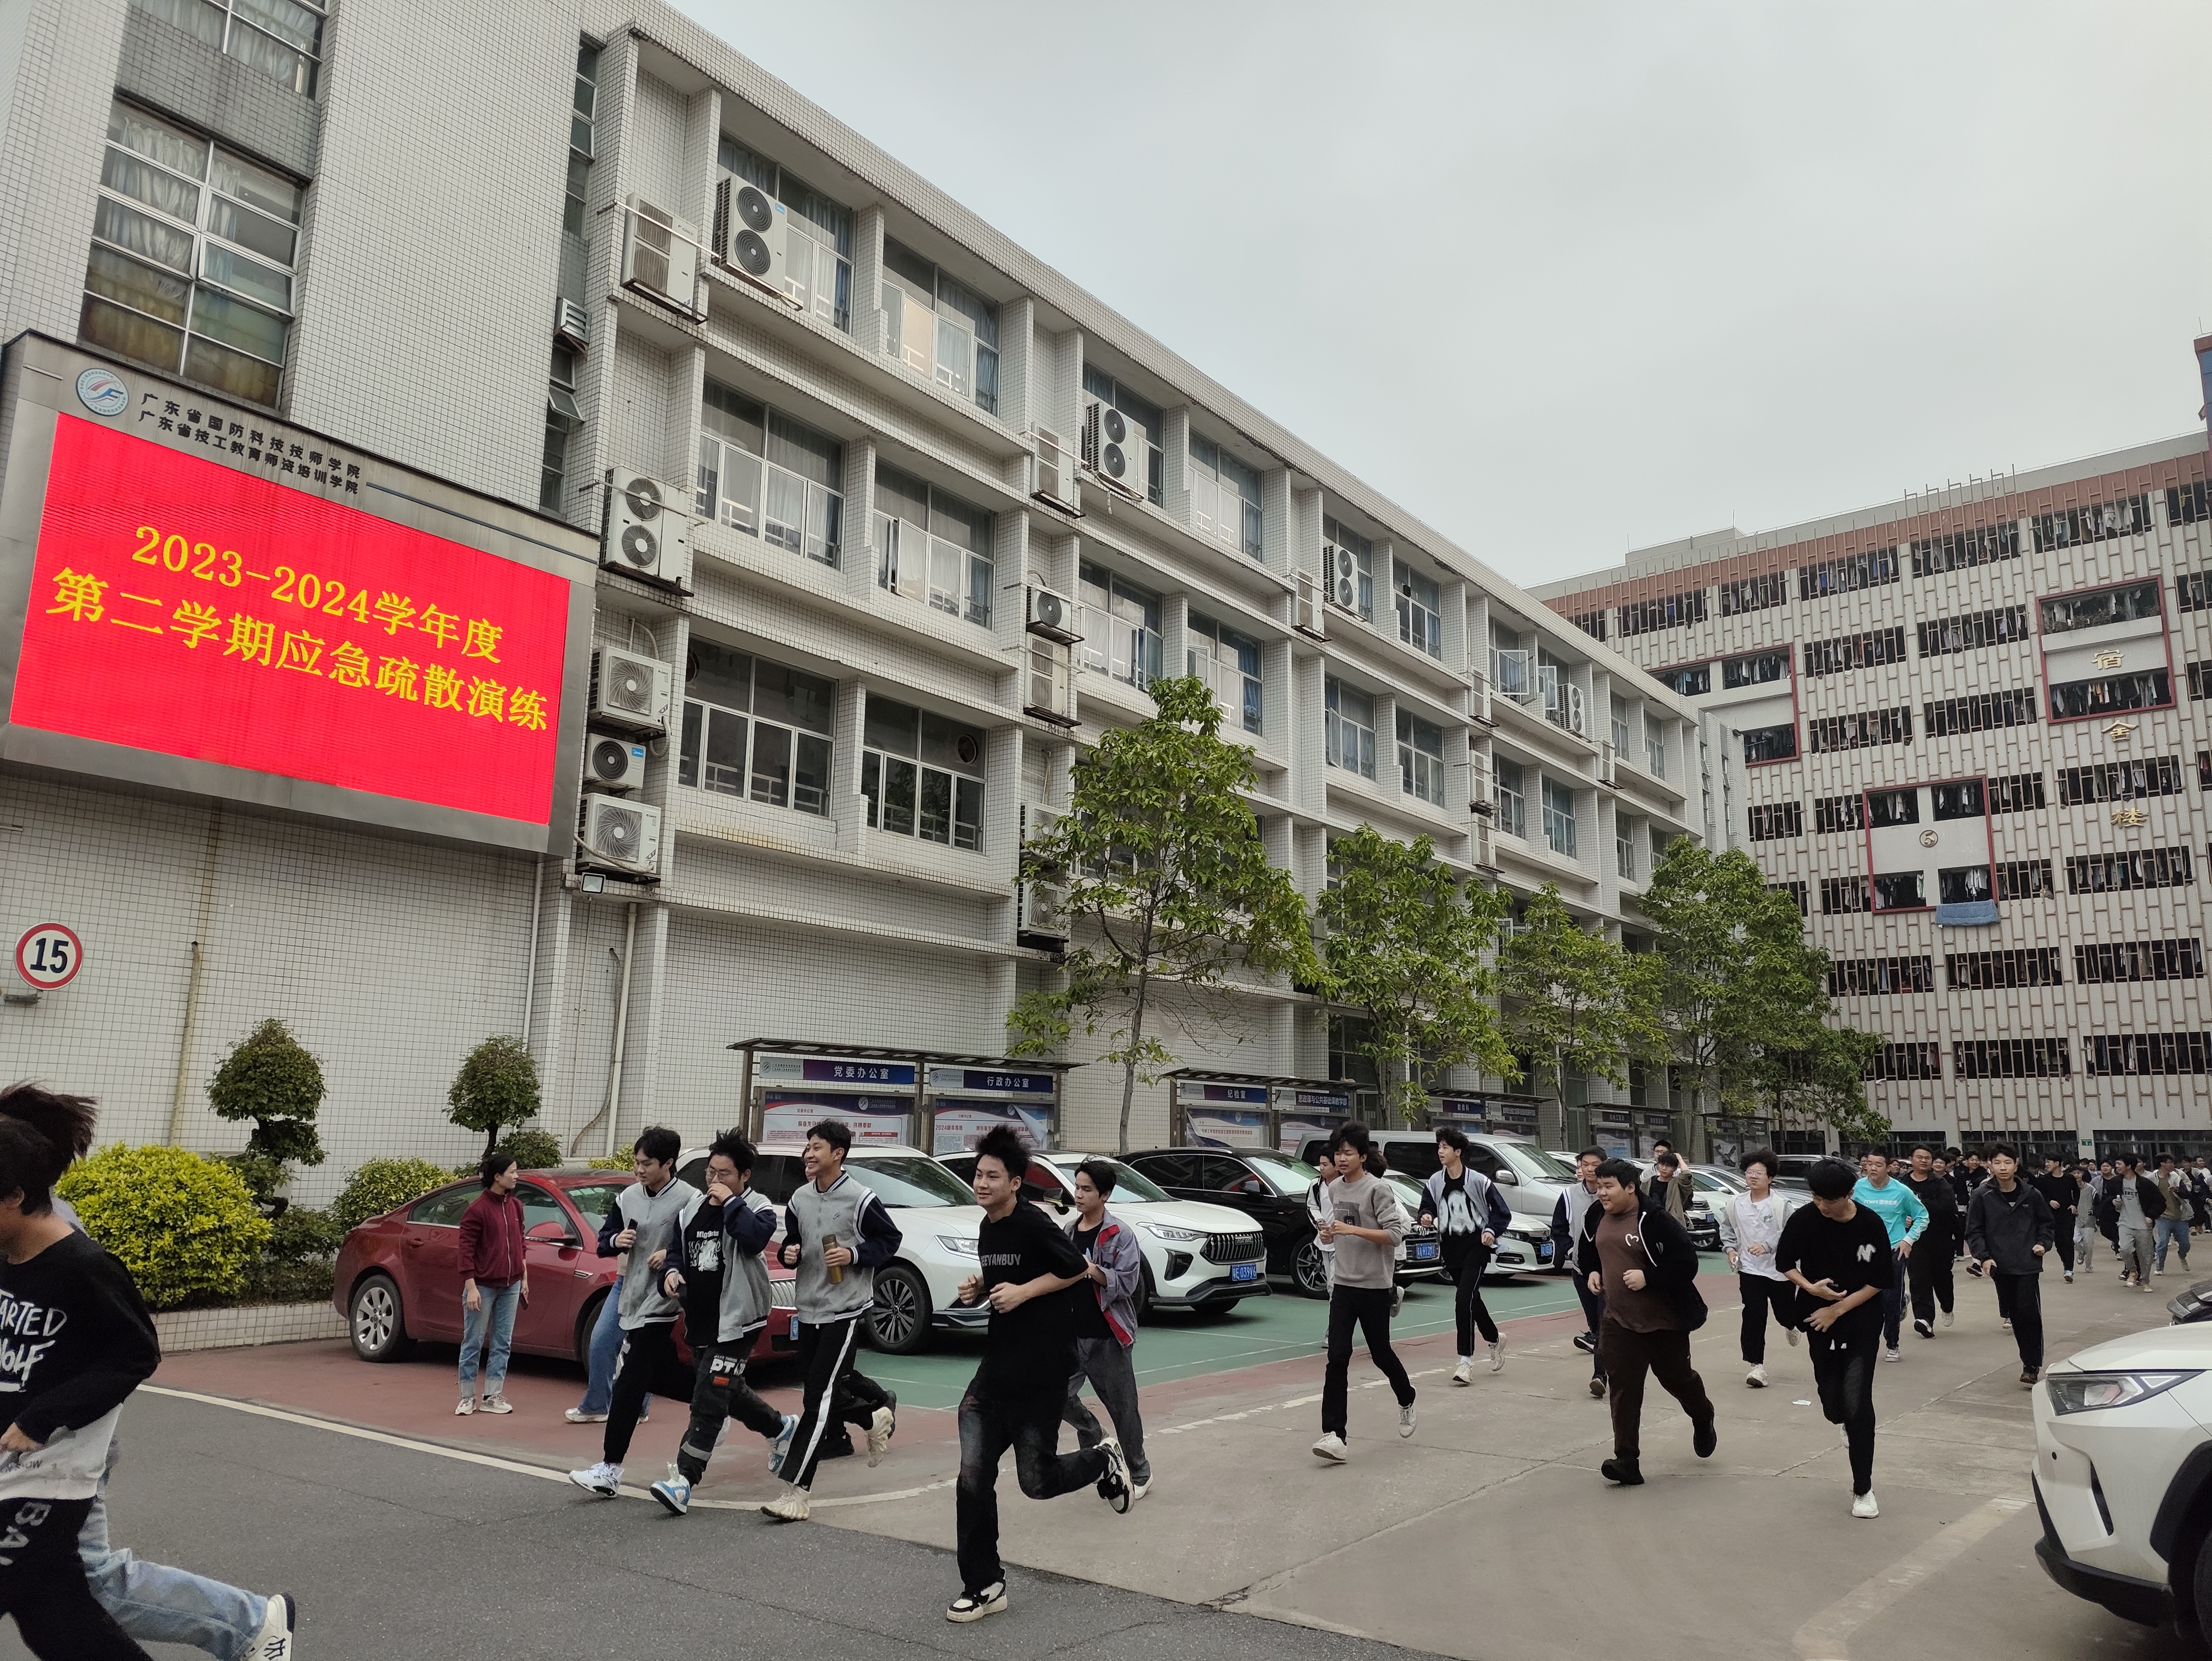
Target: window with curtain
(1224, 496)
(933, 546)
(1121, 627)
(768, 476)
(922, 775)
(939, 327)
(1146, 414)
(1348, 727)
(1228, 663)
(755, 729)
(1421, 758)
(282, 38)
(1421, 613)
(818, 250)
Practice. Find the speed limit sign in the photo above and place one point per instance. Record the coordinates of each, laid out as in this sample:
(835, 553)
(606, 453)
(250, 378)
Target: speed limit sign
(49, 956)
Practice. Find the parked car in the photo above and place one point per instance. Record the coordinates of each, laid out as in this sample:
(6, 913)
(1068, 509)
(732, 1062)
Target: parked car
(1705, 1229)
(399, 1277)
(1205, 1258)
(2123, 1474)
(1420, 1254)
(1529, 1179)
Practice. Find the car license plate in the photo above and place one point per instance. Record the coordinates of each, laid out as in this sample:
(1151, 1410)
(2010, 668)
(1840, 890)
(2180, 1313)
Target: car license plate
(1543, 1252)
(794, 1326)
(1244, 1271)
(1427, 1249)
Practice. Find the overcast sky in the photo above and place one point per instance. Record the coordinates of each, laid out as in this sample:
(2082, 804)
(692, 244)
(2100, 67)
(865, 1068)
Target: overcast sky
(1569, 279)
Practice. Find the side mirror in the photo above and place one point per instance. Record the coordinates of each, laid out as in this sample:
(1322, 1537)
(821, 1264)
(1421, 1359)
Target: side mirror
(550, 1231)
(1254, 1186)
(1505, 1179)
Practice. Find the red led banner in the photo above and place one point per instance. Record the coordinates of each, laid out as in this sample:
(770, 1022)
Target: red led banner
(181, 606)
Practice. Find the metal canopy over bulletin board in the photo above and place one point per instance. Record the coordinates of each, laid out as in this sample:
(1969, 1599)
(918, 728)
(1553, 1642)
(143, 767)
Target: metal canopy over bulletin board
(1252, 1110)
(924, 1099)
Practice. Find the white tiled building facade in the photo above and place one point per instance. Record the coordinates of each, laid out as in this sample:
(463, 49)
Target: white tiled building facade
(320, 213)
(1969, 730)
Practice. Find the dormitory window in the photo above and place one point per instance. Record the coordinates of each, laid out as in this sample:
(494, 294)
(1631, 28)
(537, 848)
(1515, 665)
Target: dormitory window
(1776, 819)
(1898, 1061)
(1754, 593)
(282, 38)
(1831, 813)
(817, 251)
(1097, 384)
(1961, 799)
(939, 327)
(1421, 758)
(2192, 591)
(1674, 612)
(766, 475)
(2071, 527)
(1942, 635)
(755, 729)
(1336, 534)
(933, 547)
(1559, 818)
(1888, 808)
(2140, 960)
(1963, 885)
(2129, 602)
(1755, 670)
(1955, 550)
(1348, 728)
(1229, 664)
(2011, 1058)
(1766, 744)
(1842, 895)
(1859, 731)
(2151, 1053)
(2119, 781)
(1510, 793)
(1900, 891)
(1591, 622)
(562, 417)
(1871, 977)
(1978, 712)
(2024, 880)
(1690, 680)
(2187, 504)
(2017, 794)
(1421, 614)
(2148, 868)
(1224, 496)
(1121, 627)
(1829, 657)
(2149, 689)
(191, 259)
(1795, 889)
(922, 775)
(1870, 570)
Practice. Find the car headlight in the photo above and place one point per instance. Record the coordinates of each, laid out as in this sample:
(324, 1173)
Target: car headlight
(2084, 1392)
(1162, 1231)
(958, 1246)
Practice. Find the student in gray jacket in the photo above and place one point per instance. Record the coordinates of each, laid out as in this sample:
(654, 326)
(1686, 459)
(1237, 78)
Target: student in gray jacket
(1365, 1224)
(1106, 1324)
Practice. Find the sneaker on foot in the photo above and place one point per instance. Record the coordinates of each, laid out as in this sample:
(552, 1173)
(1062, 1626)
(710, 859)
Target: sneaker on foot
(1756, 1378)
(1925, 1328)
(1947, 1317)
(494, 1404)
(578, 1416)
(2028, 1376)
(1464, 1373)
(673, 1491)
(1863, 1505)
(1790, 1333)
(880, 1426)
(1138, 1490)
(2161, 1269)
(274, 1641)
(1623, 1471)
(2147, 1287)
(1397, 1300)
(2007, 1326)
(974, 1606)
(1330, 1447)
(780, 1448)
(790, 1506)
(1598, 1388)
(1704, 1439)
(466, 1406)
(1585, 1343)
(1892, 1353)
(1405, 1420)
(1113, 1484)
(602, 1478)
(1497, 1355)
(2070, 1276)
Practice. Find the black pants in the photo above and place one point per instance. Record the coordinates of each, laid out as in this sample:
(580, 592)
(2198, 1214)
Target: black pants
(1843, 1376)
(2062, 1224)
(1665, 1356)
(719, 1394)
(1369, 1309)
(2021, 1295)
(42, 1584)
(1594, 1313)
(987, 1428)
(646, 1367)
(825, 1353)
(1893, 1299)
(1466, 1256)
(1760, 1293)
(1929, 1274)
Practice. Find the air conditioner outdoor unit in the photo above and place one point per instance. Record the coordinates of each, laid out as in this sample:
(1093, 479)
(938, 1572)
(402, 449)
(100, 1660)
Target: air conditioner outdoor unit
(630, 692)
(1310, 618)
(1113, 448)
(1055, 472)
(660, 256)
(750, 229)
(1341, 569)
(1485, 853)
(1041, 917)
(648, 531)
(572, 323)
(1050, 614)
(1048, 682)
(1578, 713)
(620, 836)
(613, 761)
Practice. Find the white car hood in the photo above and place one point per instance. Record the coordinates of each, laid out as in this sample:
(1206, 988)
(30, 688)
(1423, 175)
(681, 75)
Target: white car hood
(2162, 1348)
(1186, 1214)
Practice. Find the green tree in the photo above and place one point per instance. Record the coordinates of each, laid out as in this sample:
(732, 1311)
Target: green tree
(497, 1085)
(1819, 1076)
(1402, 941)
(1576, 1001)
(1164, 878)
(272, 1080)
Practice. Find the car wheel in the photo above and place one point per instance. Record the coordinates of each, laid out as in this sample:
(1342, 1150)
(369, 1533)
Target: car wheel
(586, 1323)
(1310, 1269)
(1143, 1299)
(898, 1323)
(376, 1321)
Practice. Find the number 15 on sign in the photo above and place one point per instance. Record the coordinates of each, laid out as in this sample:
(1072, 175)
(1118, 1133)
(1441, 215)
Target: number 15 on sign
(49, 956)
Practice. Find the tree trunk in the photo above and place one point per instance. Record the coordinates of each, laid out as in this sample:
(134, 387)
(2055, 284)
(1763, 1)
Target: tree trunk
(491, 1141)
(1129, 1067)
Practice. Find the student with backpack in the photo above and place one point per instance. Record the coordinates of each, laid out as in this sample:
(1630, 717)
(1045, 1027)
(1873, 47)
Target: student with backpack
(1467, 1208)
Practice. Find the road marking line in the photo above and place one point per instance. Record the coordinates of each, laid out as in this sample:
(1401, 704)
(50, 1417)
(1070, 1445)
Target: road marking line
(1827, 1636)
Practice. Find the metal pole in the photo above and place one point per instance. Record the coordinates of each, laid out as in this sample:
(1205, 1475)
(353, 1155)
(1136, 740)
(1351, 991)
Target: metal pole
(746, 1116)
(622, 1029)
(529, 979)
(185, 1049)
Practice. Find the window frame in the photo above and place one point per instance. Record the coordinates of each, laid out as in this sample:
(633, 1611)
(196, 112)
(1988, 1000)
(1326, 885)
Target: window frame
(879, 765)
(1559, 831)
(188, 16)
(979, 571)
(1420, 770)
(696, 734)
(1337, 723)
(1217, 483)
(1217, 667)
(1133, 660)
(820, 535)
(1420, 618)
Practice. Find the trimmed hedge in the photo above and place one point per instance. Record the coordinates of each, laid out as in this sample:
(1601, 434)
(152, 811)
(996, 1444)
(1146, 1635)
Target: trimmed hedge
(184, 1227)
(380, 1184)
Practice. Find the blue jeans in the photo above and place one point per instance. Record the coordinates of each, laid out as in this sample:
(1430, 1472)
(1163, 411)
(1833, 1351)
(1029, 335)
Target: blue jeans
(493, 1316)
(157, 1604)
(2175, 1229)
(606, 1346)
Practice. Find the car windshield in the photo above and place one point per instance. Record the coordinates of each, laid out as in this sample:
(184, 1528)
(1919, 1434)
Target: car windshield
(1410, 1193)
(909, 1180)
(1280, 1171)
(1127, 1184)
(1535, 1162)
(594, 1200)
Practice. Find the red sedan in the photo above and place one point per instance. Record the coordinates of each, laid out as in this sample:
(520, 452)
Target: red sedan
(399, 1277)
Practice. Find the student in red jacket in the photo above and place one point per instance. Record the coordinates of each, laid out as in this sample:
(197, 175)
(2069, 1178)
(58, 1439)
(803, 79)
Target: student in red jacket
(494, 1281)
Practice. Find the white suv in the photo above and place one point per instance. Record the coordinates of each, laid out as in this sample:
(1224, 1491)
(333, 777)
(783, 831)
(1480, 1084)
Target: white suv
(2123, 1473)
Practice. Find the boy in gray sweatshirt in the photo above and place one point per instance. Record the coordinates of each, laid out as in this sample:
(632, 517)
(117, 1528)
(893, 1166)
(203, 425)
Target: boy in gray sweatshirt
(1364, 1224)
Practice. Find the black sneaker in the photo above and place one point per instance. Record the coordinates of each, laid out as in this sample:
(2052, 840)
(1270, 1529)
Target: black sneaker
(1585, 1343)
(1113, 1483)
(1925, 1328)
(1704, 1439)
(974, 1606)
(1622, 1471)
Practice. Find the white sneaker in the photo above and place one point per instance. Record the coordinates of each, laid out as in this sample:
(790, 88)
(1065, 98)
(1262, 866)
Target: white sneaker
(274, 1641)
(602, 1478)
(1756, 1378)
(1397, 1300)
(974, 1606)
(465, 1406)
(1330, 1447)
(495, 1404)
(790, 1506)
(1893, 1355)
(1464, 1373)
(1405, 1420)
(1863, 1505)
(1114, 1482)
(880, 1435)
(2007, 1326)
(673, 1491)
(1790, 1333)
(578, 1416)
(1138, 1490)
(1497, 1355)
(1947, 1317)
(2070, 1276)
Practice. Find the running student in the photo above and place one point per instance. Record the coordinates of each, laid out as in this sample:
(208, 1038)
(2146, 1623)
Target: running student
(719, 1275)
(837, 1234)
(1750, 1225)
(1105, 1322)
(2172, 1185)
(1906, 1220)
(1025, 1269)
(2008, 1230)
(2061, 1196)
(1324, 1166)
(1641, 1259)
(1471, 1213)
(1365, 1223)
(1569, 1213)
(2133, 1203)
(1927, 1270)
(1837, 1253)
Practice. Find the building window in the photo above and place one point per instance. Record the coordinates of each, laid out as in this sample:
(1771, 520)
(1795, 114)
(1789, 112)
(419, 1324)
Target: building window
(1348, 728)
(1955, 550)
(1228, 663)
(939, 327)
(1755, 670)
(192, 252)
(1655, 744)
(582, 119)
(282, 38)
(818, 246)
(562, 417)
(1558, 819)
(1421, 758)
(2168, 1053)
(2016, 793)
(1900, 1062)
(1510, 793)
(1900, 891)
(1848, 574)
(1983, 971)
(1878, 645)
(933, 547)
(1674, 612)
(1831, 813)
(1963, 885)
(1335, 534)
(1619, 712)
(2119, 781)
(922, 775)
(765, 475)
(1756, 594)
(2011, 1058)
(755, 729)
(1888, 808)
(1860, 731)
(2073, 700)
(2111, 873)
(2192, 590)
(2140, 960)
(1224, 496)
(1421, 613)
(1591, 622)
(1689, 680)
(1777, 819)
(2072, 527)
(1624, 849)
(1873, 977)
(1121, 627)
(2187, 504)
(1795, 889)
(1978, 712)
(2200, 682)
(1766, 744)
(2024, 880)
(1941, 637)
(1959, 798)
(1842, 895)
(1146, 414)
(2127, 602)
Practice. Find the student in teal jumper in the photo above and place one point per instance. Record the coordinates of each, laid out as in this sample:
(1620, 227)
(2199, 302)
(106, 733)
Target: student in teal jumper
(1906, 1220)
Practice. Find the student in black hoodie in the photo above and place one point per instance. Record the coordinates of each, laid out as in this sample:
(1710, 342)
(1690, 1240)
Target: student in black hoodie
(1837, 1254)
(2008, 1230)
(2061, 1197)
(1927, 1270)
